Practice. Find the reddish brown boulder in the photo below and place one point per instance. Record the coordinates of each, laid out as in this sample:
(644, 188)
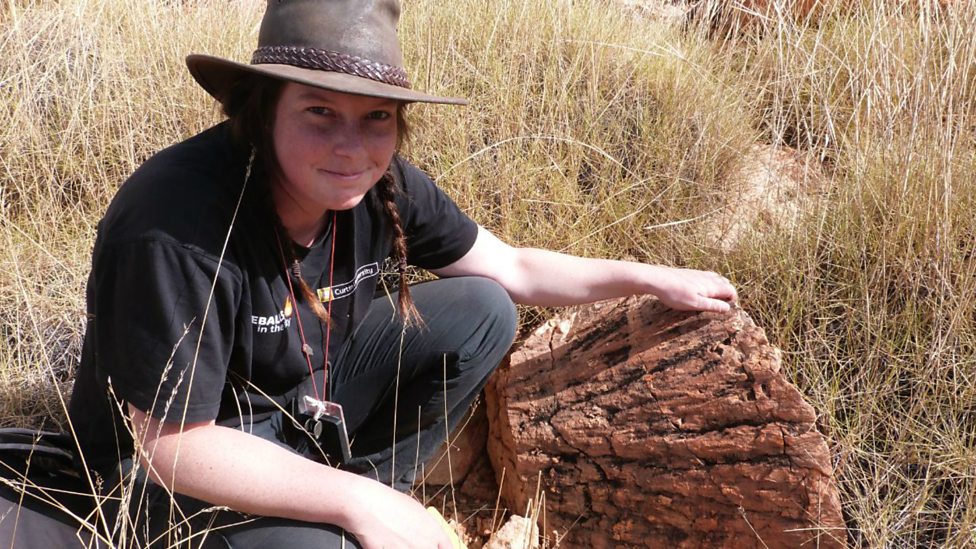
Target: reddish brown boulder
(647, 427)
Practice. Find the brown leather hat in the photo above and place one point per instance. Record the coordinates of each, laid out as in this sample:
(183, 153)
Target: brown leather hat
(348, 46)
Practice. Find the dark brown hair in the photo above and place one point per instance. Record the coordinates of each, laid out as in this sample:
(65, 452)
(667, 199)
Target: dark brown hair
(250, 106)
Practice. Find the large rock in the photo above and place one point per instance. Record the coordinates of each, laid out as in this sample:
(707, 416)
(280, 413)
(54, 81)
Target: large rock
(646, 427)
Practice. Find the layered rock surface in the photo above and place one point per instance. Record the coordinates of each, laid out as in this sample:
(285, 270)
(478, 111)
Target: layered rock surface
(646, 427)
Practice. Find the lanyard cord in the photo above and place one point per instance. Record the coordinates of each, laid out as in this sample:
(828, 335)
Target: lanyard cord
(328, 324)
(306, 348)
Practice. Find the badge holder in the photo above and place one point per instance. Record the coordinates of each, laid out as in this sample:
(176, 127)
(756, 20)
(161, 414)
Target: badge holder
(324, 422)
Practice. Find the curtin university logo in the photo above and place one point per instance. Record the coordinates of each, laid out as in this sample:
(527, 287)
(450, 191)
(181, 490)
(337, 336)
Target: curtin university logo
(339, 291)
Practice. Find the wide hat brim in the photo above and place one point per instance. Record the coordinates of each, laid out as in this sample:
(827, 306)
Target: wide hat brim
(217, 76)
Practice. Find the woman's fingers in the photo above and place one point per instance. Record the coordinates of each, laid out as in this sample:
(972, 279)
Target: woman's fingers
(715, 305)
(725, 290)
(692, 290)
(387, 518)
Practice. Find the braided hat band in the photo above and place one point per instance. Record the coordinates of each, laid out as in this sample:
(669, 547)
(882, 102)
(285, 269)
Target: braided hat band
(324, 60)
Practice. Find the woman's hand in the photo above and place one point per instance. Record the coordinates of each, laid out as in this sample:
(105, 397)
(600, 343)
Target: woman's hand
(386, 518)
(692, 290)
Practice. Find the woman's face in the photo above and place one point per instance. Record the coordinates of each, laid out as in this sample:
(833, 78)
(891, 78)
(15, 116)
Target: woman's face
(332, 147)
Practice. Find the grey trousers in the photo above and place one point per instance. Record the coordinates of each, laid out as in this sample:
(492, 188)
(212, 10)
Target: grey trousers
(442, 366)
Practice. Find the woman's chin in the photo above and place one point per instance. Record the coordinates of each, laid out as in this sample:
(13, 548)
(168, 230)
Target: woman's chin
(341, 204)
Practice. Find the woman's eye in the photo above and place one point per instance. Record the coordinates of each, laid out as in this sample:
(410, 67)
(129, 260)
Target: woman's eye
(319, 110)
(380, 115)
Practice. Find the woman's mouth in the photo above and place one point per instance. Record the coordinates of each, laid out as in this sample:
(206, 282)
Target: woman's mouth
(344, 175)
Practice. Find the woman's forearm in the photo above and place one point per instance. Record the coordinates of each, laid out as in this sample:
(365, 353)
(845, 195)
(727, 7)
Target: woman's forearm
(228, 467)
(542, 277)
(555, 279)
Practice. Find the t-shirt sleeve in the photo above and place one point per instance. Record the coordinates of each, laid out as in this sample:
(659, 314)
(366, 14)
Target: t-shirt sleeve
(438, 232)
(162, 341)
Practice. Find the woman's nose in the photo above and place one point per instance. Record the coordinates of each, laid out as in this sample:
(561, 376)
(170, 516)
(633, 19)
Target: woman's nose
(350, 140)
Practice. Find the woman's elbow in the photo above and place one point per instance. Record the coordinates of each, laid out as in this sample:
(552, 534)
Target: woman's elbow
(157, 444)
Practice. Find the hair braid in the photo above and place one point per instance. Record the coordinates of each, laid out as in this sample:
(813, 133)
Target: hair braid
(293, 266)
(387, 188)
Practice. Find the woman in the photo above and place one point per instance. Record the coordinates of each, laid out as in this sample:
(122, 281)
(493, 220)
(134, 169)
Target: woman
(233, 317)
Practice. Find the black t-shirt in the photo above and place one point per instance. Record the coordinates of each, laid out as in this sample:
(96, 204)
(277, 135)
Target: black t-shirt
(161, 299)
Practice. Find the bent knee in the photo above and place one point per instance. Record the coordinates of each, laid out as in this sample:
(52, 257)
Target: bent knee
(487, 298)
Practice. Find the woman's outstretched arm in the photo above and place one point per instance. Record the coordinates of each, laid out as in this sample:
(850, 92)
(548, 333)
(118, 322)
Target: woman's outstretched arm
(228, 467)
(542, 277)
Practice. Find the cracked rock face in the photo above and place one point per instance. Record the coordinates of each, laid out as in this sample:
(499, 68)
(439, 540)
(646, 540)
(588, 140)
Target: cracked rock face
(647, 427)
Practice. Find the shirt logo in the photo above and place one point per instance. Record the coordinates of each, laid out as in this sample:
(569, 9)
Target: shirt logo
(272, 324)
(340, 291)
